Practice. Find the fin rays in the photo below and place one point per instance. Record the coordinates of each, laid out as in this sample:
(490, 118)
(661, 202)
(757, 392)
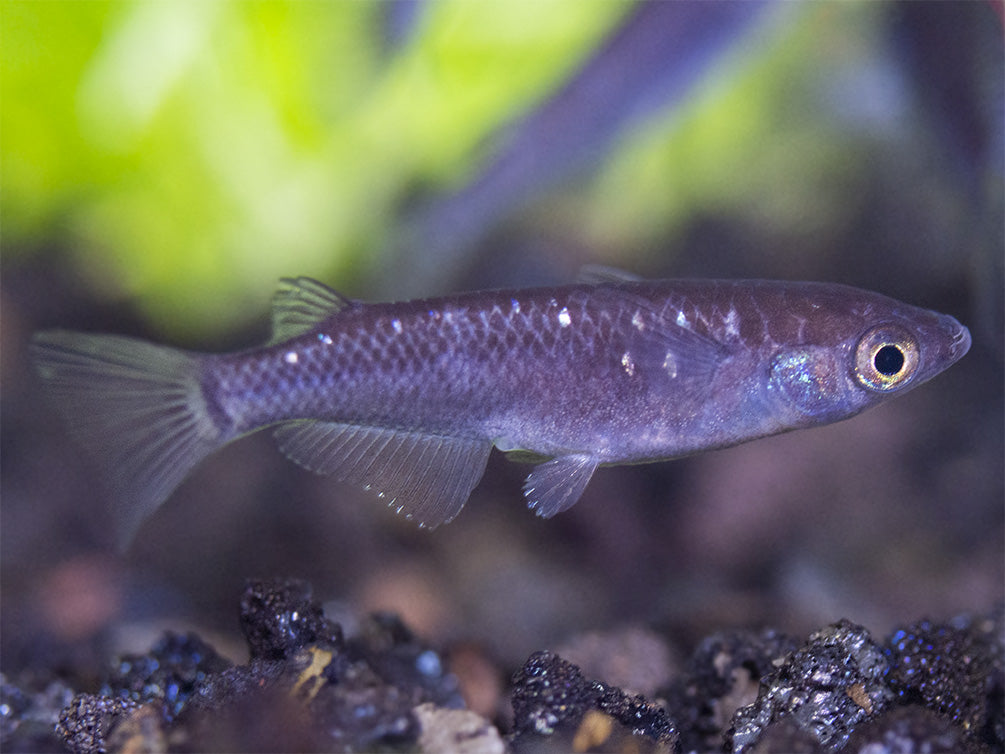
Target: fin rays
(556, 485)
(300, 304)
(426, 477)
(664, 345)
(136, 407)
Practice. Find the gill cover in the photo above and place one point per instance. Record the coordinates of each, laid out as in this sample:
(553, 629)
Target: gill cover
(810, 380)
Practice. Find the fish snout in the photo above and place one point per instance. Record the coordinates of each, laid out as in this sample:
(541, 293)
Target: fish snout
(958, 338)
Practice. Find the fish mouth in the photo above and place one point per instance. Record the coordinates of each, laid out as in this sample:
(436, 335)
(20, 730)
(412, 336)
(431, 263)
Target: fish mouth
(959, 339)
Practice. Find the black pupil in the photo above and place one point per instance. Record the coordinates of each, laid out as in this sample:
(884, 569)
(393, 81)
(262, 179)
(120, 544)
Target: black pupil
(888, 360)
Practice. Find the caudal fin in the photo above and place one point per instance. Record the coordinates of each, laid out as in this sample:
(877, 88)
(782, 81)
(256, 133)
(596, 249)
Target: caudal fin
(136, 407)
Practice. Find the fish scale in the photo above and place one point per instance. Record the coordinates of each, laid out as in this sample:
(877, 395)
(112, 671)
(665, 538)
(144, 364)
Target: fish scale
(407, 398)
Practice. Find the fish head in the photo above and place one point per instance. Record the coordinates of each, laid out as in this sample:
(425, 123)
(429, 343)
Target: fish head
(858, 356)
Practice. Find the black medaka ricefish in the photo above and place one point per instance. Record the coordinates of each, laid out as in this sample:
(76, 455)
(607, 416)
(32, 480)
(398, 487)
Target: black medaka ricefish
(406, 399)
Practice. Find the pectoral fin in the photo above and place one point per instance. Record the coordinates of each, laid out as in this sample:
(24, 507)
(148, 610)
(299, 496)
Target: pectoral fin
(557, 484)
(673, 351)
(426, 477)
(654, 343)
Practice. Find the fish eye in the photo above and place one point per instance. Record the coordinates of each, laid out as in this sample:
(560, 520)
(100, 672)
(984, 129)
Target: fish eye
(886, 358)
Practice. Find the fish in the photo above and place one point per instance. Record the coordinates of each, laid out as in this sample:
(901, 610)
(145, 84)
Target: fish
(406, 399)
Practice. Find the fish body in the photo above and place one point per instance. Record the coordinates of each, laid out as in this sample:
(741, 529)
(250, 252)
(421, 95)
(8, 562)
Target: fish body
(408, 398)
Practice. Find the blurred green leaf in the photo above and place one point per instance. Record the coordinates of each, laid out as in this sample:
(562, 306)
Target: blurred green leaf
(758, 140)
(190, 153)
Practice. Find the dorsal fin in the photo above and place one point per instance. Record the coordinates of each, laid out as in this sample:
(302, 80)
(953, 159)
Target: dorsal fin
(300, 304)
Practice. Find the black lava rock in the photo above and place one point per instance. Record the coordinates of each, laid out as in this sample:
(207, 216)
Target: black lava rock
(363, 712)
(547, 692)
(250, 708)
(826, 688)
(28, 716)
(308, 689)
(234, 685)
(954, 669)
(910, 730)
(305, 689)
(787, 737)
(387, 646)
(723, 674)
(635, 713)
(84, 725)
(278, 616)
(551, 695)
(930, 687)
(169, 673)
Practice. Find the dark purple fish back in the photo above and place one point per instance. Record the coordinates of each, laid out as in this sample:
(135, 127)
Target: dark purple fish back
(550, 365)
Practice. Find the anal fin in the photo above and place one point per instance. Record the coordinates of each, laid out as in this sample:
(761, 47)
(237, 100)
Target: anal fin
(556, 485)
(428, 478)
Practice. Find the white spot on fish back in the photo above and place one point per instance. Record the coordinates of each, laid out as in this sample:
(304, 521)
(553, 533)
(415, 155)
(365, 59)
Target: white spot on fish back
(291, 357)
(396, 324)
(326, 339)
(638, 322)
(670, 364)
(681, 319)
(515, 305)
(628, 363)
(564, 319)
